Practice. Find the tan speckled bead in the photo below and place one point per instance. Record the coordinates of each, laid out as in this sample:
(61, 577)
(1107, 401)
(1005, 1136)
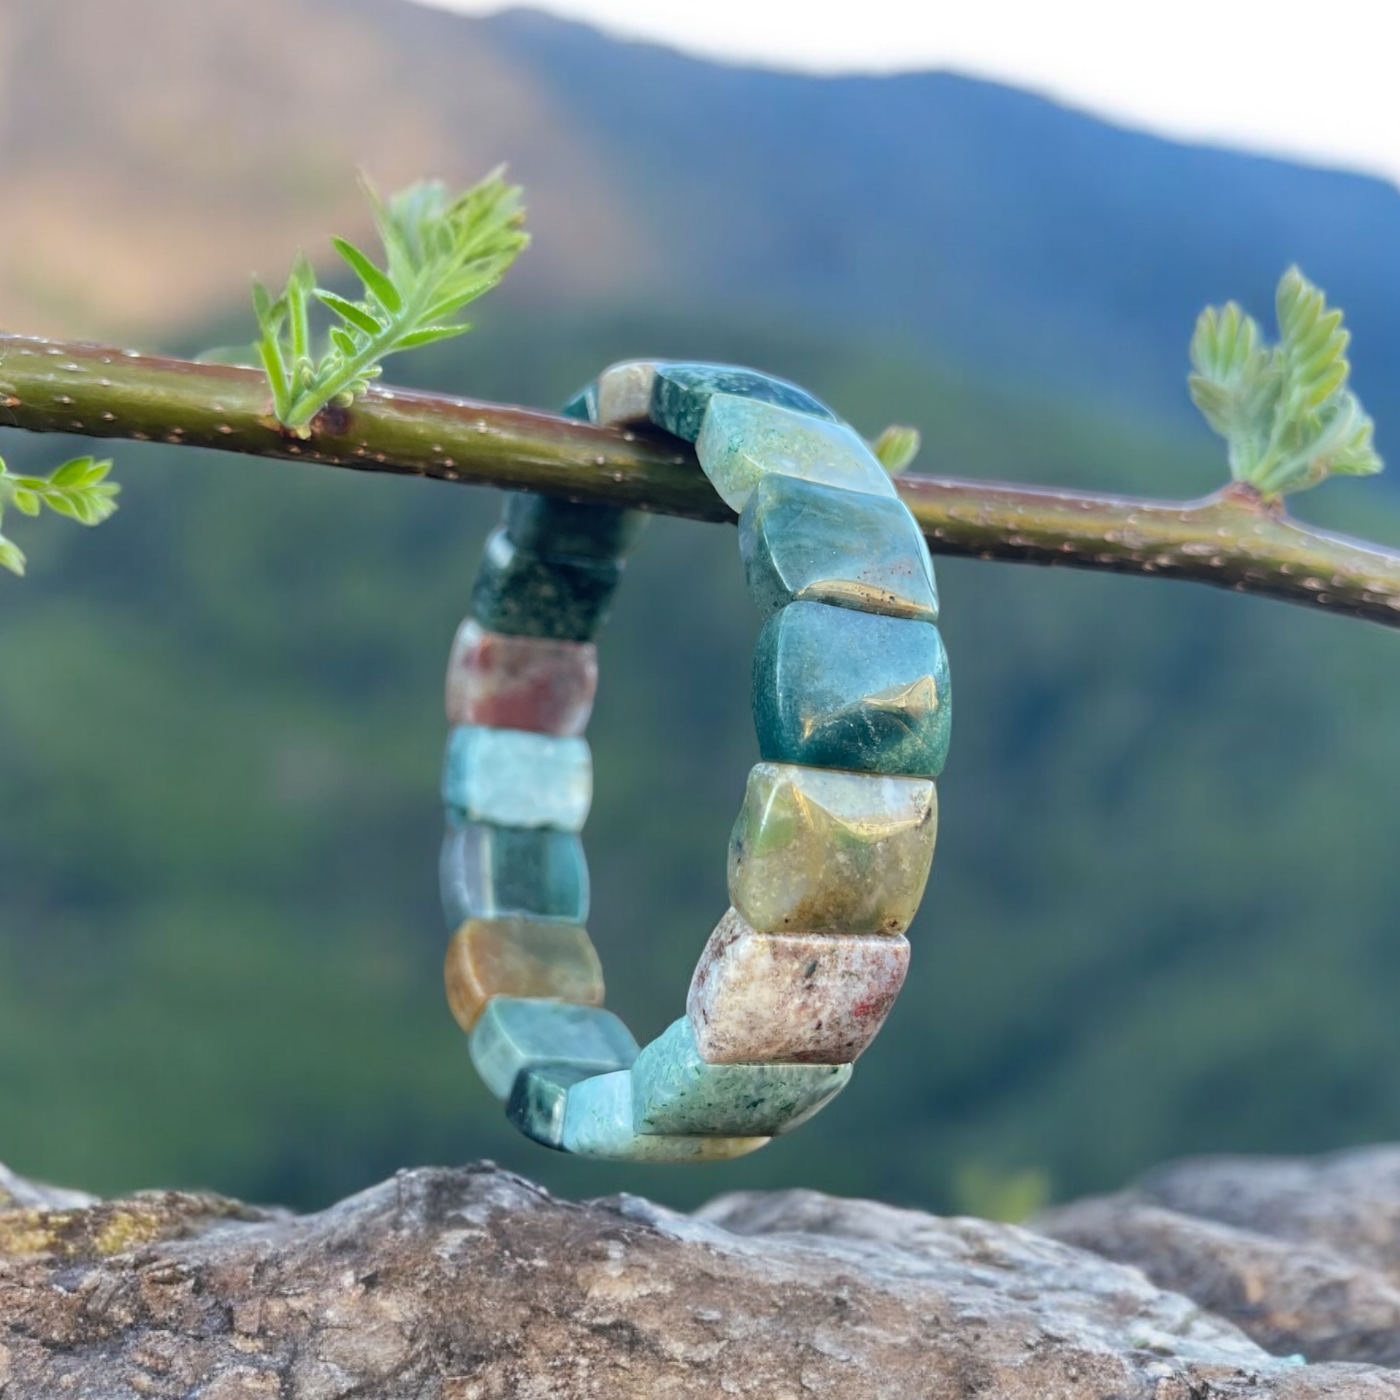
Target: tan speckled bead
(792, 998)
(519, 958)
(820, 851)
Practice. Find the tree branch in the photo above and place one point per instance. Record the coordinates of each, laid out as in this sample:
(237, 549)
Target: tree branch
(1230, 540)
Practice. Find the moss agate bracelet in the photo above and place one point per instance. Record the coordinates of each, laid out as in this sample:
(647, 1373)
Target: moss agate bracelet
(832, 848)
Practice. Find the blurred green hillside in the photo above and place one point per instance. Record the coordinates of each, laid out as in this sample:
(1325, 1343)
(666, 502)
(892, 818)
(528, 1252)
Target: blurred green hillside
(1163, 916)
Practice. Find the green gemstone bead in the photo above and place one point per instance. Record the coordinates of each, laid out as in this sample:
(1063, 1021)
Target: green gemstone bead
(517, 1033)
(804, 541)
(493, 872)
(598, 1123)
(525, 594)
(743, 440)
(583, 405)
(819, 851)
(682, 392)
(537, 1100)
(674, 1091)
(510, 777)
(834, 688)
(552, 526)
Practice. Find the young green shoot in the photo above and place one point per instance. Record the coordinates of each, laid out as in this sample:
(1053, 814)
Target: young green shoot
(78, 489)
(1284, 410)
(441, 252)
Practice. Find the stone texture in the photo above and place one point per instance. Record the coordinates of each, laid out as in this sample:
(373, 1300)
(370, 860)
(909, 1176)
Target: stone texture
(674, 1090)
(796, 998)
(820, 851)
(1303, 1254)
(553, 526)
(474, 1284)
(538, 1099)
(525, 594)
(516, 1033)
(743, 439)
(510, 777)
(519, 958)
(624, 392)
(530, 683)
(839, 689)
(599, 1121)
(682, 393)
(583, 405)
(801, 540)
(490, 872)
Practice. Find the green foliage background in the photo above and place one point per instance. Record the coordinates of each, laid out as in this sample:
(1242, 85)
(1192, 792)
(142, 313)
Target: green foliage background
(1162, 919)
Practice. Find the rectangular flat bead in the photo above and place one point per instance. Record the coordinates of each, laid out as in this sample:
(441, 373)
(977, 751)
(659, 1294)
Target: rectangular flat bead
(801, 540)
(552, 526)
(675, 1090)
(489, 872)
(743, 440)
(510, 777)
(624, 392)
(834, 688)
(516, 1033)
(519, 958)
(682, 392)
(598, 1123)
(794, 998)
(525, 594)
(538, 1098)
(529, 683)
(815, 850)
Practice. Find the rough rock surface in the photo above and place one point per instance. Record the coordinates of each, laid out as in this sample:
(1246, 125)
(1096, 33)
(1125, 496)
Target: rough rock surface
(474, 1284)
(1302, 1254)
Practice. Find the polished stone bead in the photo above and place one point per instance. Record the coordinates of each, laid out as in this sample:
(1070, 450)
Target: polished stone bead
(674, 1090)
(598, 1122)
(510, 777)
(526, 594)
(794, 998)
(682, 392)
(489, 872)
(834, 688)
(529, 683)
(801, 540)
(537, 1100)
(583, 405)
(519, 958)
(815, 850)
(743, 440)
(552, 526)
(625, 390)
(515, 1033)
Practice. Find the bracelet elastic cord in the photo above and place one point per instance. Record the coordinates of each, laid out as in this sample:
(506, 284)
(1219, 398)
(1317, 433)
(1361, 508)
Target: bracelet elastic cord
(831, 850)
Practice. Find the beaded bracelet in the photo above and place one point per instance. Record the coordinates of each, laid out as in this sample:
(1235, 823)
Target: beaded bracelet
(831, 851)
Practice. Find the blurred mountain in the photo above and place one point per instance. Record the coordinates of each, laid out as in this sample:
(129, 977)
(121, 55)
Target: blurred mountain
(156, 152)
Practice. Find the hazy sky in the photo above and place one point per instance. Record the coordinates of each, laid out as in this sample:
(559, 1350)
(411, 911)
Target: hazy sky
(1264, 75)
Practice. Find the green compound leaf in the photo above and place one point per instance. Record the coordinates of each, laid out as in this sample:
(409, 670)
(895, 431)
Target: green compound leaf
(79, 489)
(1287, 417)
(441, 252)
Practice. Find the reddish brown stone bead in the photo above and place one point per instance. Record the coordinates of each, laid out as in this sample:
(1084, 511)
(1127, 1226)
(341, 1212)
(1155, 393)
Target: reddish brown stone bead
(532, 683)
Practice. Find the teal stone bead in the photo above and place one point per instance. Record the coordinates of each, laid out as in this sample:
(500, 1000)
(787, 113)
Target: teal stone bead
(598, 1123)
(552, 526)
(802, 541)
(681, 393)
(493, 872)
(834, 688)
(675, 1091)
(524, 594)
(743, 440)
(518, 1033)
(537, 1099)
(511, 777)
(583, 405)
